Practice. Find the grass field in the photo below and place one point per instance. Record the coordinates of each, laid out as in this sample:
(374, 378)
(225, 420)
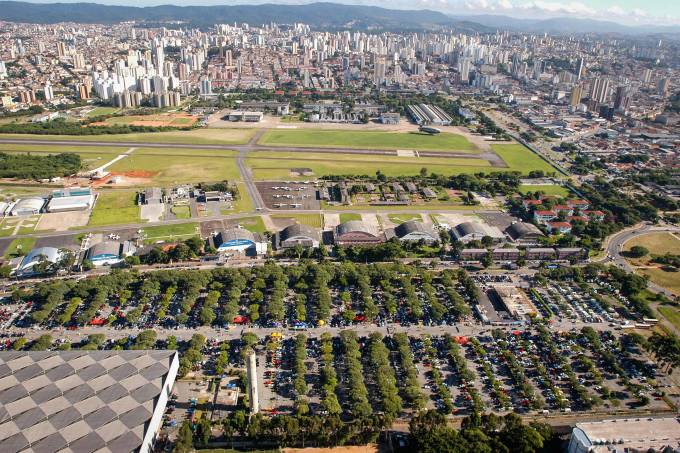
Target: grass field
(267, 165)
(401, 218)
(253, 224)
(181, 212)
(312, 220)
(102, 111)
(347, 216)
(169, 120)
(672, 314)
(115, 207)
(178, 169)
(194, 136)
(174, 232)
(20, 247)
(521, 158)
(669, 280)
(552, 189)
(657, 243)
(367, 140)
(243, 204)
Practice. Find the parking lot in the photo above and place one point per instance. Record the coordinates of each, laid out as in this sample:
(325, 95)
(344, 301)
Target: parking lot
(287, 195)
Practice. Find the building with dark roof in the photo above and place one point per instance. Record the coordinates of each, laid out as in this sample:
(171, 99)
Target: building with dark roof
(413, 231)
(298, 234)
(524, 233)
(356, 232)
(83, 401)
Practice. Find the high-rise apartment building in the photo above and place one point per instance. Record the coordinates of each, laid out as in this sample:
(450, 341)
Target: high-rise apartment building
(599, 90)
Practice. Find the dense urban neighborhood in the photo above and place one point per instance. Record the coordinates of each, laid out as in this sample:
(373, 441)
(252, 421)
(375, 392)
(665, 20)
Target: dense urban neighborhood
(332, 227)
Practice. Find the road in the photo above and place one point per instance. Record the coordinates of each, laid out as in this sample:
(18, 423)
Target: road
(466, 329)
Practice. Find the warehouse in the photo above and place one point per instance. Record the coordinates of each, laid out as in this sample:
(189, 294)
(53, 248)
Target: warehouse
(248, 117)
(84, 401)
(108, 253)
(356, 232)
(413, 231)
(424, 114)
(239, 240)
(524, 233)
(28, 206)
(71, 203)
(475, 231)
(298, 234)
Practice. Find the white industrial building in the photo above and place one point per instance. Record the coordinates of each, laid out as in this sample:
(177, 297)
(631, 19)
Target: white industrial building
(248, 117)
(75, 203)
(626, 435)
(28, 206)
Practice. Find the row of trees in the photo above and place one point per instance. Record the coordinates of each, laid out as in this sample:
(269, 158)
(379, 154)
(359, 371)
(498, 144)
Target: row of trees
(30, 166)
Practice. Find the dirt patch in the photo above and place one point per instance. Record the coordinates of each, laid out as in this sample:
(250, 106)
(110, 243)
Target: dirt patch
(150, 123)
(346, 449)
(127, 178)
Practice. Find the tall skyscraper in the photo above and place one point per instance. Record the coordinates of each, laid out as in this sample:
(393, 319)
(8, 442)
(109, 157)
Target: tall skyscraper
(576, 95)
(379, 72)
(599, 90)
(662, 86)
(49, 94)
(580, 67)
(159, 58)
(622, 99)
(464, 70)
(61, 49)
(647, 76)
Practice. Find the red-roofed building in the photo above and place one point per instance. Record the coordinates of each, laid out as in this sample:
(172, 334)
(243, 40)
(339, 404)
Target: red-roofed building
(560, 227)
(595, 215)
(544, 216)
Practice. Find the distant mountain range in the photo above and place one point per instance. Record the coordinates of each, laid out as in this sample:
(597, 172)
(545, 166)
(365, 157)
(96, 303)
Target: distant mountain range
(318, 15)
(564, 25)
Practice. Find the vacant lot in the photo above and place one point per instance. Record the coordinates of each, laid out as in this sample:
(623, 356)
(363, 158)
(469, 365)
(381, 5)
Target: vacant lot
(253, 224)
(347, 216)
(672, 314)
(368, 140)
(181, 212)
(102, 111)
(167, 119)
(115, 207)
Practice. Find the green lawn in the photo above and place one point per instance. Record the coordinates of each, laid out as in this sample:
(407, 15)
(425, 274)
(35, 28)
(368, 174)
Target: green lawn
(195, 136)
(347, 216)
(401, 218)
(20, 247)
(548, 189)
(672, 314)
(254, 224)
(178, 169)
(115, 207)
(267, 165)
(181, 212)
(522, 159)
(367, 139)
(243, 204)
(170, 233)
(312, 220)
(657, 243)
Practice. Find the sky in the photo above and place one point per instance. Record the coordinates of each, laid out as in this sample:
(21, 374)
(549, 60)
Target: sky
(631, 12)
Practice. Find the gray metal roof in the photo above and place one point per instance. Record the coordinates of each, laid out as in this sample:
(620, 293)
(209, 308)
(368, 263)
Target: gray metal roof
(105, 248)
(466, 228)
(234, 233)
(297, 230)
(521, 229)
(78, 400)
(413, 226)
(354, 226)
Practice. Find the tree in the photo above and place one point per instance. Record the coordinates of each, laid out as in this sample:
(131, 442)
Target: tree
(185, 438)
(638, 251)
(87, 265)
